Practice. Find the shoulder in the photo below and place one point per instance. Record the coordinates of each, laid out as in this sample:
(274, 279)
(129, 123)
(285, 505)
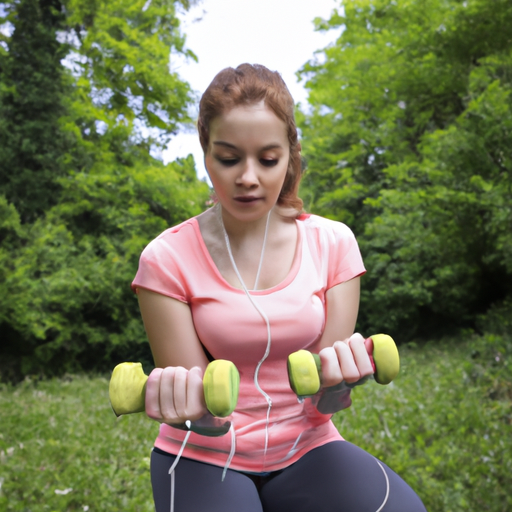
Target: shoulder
(177, 238)
(167, 261)
(334, 244)
(330, 230)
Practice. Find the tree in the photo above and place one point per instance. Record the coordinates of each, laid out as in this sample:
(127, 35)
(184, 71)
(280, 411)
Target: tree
(114, 92)
(120, 59)
(33, 144)
(407, 143)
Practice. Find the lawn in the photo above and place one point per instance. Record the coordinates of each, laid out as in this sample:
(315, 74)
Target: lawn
(445, 425)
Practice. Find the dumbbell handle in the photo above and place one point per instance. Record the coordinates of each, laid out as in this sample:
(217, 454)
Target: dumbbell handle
(304, 368)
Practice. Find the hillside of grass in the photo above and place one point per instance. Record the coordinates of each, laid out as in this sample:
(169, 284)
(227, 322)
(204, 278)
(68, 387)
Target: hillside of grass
(445, 425)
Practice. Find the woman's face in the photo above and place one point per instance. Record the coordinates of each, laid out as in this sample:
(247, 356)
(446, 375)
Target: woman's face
(247, 160)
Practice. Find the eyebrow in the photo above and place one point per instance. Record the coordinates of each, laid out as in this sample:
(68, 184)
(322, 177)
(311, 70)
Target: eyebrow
(232, 146)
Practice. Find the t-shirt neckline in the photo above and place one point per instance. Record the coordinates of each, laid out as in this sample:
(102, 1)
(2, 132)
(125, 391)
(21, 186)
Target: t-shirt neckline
(283, 284)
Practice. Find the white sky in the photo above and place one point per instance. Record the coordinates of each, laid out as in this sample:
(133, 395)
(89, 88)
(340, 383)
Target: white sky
(276, 33)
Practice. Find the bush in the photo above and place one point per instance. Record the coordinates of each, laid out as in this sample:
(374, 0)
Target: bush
(66, 304)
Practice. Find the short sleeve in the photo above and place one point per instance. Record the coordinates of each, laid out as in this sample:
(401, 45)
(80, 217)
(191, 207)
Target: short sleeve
(159, 270)
(345, 260)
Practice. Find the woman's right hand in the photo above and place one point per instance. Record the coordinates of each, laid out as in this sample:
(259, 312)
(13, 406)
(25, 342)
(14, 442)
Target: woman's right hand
(175, 395)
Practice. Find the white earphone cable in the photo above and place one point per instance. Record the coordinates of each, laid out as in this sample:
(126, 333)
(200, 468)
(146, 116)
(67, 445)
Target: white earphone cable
(260, 311)
(387, 487)
(174, 464)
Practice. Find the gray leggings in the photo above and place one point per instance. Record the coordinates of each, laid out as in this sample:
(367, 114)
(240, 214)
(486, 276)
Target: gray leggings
(337, 477)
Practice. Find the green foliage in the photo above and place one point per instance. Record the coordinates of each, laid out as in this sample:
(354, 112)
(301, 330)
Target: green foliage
(451, 236)
(445, 425)
(81, 79)
(408, 143)
(121, 59)
(498, 319)
(34, 149)
(87, 94)
(68, 303)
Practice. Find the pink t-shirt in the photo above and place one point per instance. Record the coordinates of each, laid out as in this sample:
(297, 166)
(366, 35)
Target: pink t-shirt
(177, 264)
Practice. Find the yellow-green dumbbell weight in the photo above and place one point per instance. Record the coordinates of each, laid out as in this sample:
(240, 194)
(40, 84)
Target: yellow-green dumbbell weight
(304, 367)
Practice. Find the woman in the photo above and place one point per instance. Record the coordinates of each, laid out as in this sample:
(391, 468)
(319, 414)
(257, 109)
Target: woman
(252, 280)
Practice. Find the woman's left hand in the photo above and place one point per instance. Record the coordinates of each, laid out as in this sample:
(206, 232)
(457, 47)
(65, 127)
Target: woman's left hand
(346, 360)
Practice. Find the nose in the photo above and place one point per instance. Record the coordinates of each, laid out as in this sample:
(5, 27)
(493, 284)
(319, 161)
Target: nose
(248, 175)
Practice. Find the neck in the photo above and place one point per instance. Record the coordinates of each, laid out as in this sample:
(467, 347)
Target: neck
(241, 232)
(230, 252)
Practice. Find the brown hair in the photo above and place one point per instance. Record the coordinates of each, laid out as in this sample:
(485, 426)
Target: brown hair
(246, 85)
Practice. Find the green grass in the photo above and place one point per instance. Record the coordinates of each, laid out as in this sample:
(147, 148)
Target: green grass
(445, 425)
(62, 449)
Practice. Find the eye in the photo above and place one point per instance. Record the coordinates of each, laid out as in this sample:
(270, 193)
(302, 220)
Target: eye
(228, 162)
(268, 162)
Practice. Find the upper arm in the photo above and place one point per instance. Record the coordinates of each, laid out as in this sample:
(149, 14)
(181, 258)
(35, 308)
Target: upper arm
(170, 330)
(342, 303)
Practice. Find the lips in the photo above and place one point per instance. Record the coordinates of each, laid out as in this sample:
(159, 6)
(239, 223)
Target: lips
(247, 199)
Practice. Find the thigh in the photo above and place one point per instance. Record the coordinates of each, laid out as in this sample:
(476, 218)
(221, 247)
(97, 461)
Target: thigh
(198, 487)
(339, 477)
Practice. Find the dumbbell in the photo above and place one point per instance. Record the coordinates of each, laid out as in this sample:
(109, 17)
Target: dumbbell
(221, 383)
(304, 368)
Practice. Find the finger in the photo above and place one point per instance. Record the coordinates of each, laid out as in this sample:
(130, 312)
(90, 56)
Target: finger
(331, 370)
(153, 394)
(179, 401)
(196, 405)
(360, 354)
(347, 363)
(167, 410)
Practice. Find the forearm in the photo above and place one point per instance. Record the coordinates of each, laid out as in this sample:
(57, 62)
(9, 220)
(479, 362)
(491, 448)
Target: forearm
(335, 398)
